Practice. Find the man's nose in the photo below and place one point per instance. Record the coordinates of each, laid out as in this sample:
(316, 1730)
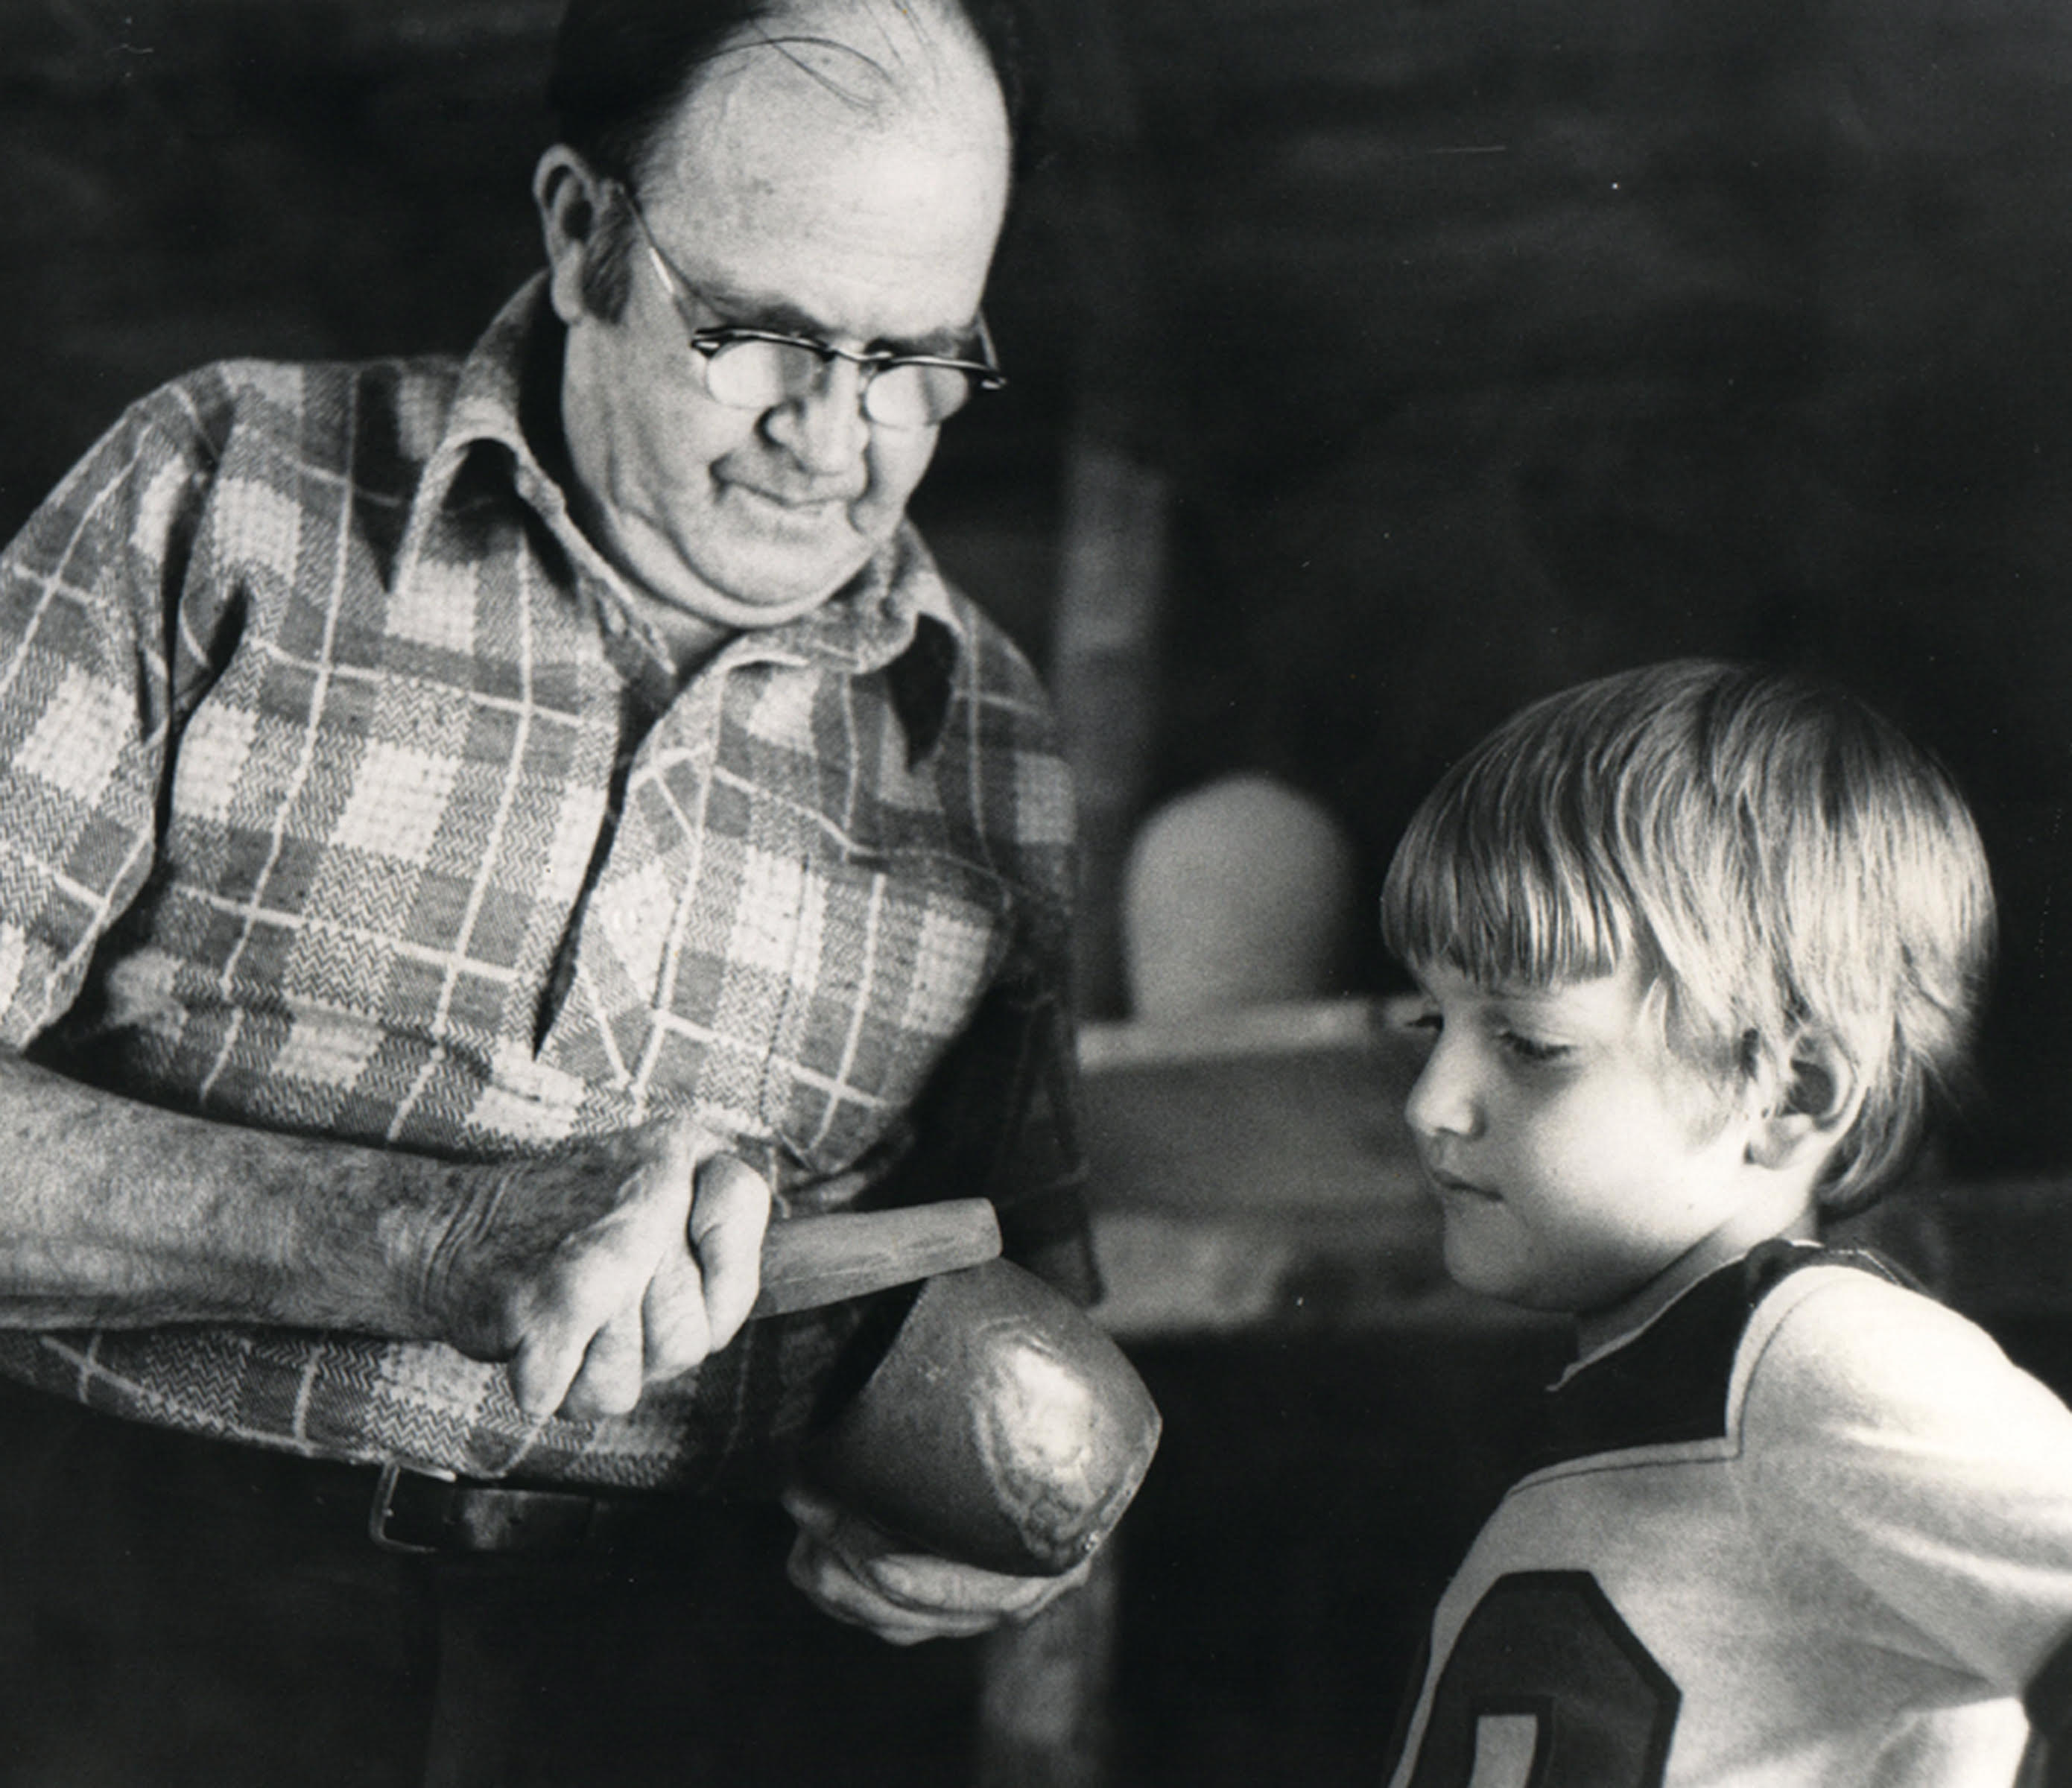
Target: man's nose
(824, 427)
(1442, 1100)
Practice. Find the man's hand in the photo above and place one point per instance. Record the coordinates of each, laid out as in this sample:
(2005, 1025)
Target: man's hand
(600, 1268)
(859, 1574)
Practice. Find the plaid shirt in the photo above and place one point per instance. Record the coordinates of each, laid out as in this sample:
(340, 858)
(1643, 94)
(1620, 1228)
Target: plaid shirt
(346, 794)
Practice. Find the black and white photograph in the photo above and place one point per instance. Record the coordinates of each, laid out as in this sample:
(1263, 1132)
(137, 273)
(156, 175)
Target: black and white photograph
(1035, 893)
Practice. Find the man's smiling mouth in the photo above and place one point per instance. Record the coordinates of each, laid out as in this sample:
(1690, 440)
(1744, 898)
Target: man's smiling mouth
(806, 505)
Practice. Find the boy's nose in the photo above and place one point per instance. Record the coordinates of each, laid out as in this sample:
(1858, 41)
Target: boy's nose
(1442, 1101)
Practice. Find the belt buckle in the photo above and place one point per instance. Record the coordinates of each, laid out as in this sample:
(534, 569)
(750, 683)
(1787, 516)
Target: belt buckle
(384, 1505)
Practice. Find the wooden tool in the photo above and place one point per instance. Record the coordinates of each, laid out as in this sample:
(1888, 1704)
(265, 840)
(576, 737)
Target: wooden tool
(809, 1261)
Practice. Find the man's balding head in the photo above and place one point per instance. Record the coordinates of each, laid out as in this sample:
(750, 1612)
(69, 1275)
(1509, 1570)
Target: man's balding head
(626, 70)
(622, 66)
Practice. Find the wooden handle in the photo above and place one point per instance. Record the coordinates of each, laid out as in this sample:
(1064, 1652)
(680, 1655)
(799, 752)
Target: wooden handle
(809, 1261)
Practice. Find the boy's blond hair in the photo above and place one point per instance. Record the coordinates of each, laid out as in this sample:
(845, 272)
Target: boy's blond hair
(1801, 881)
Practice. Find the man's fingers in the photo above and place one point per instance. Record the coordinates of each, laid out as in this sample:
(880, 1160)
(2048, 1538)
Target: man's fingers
(919, 1581)
(543, 1367)
(821, 1516)
(827, 1579)
(730, 1212)
(645, 1289)
(582, 1350)
(678, 1330)
(894, 1575)
(609, 1381)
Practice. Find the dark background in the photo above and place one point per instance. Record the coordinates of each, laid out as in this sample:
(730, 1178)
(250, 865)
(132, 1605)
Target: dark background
(1483, 345)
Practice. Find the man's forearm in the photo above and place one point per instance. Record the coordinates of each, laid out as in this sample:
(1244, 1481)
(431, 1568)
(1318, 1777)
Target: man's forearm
(115, 1213)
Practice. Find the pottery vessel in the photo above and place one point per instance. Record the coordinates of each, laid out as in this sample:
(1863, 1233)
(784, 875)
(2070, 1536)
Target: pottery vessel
(999, 1426)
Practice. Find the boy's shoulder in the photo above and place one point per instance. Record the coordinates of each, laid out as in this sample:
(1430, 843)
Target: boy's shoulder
(1796, 1344)
(1682, 1379)
(1828, 1352)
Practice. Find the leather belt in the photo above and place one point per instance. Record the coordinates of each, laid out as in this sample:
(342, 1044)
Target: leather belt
(414, 1510)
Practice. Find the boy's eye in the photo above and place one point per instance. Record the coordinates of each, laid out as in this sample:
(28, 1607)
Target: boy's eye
(1412, 1013)
(1532, 1049)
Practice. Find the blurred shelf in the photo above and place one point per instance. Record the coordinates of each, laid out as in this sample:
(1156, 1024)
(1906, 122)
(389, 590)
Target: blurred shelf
(1251, 1168)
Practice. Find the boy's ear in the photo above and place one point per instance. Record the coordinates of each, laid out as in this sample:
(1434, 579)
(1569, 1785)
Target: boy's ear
(1809, 1108)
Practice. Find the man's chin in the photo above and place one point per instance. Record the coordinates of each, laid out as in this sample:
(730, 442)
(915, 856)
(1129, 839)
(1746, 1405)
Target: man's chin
(789, 583)
(755, 515)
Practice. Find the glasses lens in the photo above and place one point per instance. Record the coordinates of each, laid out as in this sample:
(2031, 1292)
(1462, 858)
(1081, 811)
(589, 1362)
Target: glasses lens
(754, 375)
(914, 396)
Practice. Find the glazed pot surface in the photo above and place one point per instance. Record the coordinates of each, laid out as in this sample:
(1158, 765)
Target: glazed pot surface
(1001, 1428)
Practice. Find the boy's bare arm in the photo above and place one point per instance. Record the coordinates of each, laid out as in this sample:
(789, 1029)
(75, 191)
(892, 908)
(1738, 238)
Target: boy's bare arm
(592, 1270)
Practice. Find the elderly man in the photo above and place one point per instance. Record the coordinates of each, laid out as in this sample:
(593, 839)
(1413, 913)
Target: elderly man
(479, 837)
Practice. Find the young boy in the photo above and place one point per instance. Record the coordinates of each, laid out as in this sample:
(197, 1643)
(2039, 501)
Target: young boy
(1698, 945)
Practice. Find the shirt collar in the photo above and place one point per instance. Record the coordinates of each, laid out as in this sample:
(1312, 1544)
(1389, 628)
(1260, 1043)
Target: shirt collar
(895, 615)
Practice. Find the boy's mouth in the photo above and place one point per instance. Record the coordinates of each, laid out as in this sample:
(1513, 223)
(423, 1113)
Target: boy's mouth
(1452, 1185)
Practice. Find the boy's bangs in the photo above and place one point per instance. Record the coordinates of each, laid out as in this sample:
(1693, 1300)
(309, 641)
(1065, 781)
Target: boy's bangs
(1500, 909)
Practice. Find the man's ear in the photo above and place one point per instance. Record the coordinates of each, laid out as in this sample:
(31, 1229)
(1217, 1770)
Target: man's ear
(1809, 1108)
(569, 196)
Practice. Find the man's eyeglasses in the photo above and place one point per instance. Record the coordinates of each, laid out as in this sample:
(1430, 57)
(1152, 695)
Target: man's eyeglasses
(757, 368)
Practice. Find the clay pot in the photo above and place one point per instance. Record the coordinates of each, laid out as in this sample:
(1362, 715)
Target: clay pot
(999, 1427)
